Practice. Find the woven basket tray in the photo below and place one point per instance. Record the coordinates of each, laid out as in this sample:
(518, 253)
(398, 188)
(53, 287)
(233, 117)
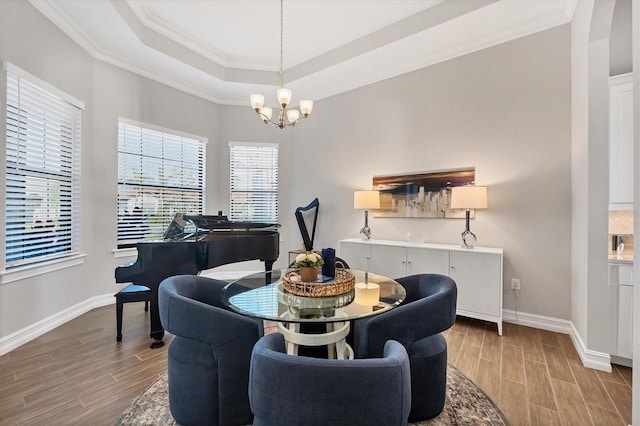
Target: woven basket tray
(344, 282)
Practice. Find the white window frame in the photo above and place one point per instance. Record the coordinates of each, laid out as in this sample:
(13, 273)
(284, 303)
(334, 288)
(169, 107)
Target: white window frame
(150, 192)
(48, 96)
(237, 187)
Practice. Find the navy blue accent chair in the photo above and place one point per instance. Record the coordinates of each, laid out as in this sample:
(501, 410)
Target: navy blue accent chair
(209, 358)
(287, 390)
(429, 309)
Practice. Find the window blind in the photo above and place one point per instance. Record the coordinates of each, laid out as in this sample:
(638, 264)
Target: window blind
(254, 182)
(42, 174)
(159, 174)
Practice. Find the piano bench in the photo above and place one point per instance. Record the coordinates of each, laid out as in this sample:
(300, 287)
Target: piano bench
(131, 293)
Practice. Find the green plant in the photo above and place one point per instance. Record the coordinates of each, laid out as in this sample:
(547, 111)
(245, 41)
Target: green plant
(312, 260)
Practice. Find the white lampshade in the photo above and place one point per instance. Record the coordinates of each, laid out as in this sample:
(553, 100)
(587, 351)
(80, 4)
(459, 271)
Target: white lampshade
(284, 96)
(257, 101)
(293, 115)
(305, 107)
(266, 111)
(366, 200)
(469, 197)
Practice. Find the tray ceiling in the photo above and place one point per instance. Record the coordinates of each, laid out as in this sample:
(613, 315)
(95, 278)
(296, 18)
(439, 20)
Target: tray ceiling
(225, 50)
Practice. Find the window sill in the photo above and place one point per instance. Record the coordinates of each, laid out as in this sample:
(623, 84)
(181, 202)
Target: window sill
(40, 269)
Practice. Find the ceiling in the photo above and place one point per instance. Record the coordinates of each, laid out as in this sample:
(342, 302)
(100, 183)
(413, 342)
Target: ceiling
(225, 50)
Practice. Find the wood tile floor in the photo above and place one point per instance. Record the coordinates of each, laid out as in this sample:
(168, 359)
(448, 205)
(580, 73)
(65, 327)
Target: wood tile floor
(536, 376)
(79, 374)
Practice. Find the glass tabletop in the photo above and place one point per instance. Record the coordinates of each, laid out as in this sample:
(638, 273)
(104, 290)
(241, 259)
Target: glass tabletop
(263, 295)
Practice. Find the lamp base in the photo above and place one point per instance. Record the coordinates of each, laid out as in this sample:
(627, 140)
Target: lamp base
(468, 238)
(366, 231)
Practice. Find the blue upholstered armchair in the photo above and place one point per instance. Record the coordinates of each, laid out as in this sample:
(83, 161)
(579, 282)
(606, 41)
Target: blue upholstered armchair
(210, 355)
(429, 308)
(298, 390)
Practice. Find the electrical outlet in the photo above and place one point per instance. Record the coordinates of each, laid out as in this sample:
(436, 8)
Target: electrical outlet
(515, 284)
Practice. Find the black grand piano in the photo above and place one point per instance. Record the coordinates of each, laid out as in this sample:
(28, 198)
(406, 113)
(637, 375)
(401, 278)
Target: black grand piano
(192, 243)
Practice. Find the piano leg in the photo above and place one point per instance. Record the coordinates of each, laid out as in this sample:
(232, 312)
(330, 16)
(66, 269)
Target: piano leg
(157, 332)
(268, 266)
(157, 344)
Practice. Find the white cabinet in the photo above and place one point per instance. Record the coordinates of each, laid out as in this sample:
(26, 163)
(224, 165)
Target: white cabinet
(621, 142)
(621, 310)
(625, 321)
(477, 272)
(392, 260)
(479, 280)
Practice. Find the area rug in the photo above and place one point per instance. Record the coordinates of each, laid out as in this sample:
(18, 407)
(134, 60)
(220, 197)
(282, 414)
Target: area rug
(466, 404)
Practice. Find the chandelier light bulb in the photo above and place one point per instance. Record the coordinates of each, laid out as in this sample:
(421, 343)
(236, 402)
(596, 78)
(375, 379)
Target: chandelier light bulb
(284, 96)
(257, 102)
(305, 107)
(293, 115)
(266, 114)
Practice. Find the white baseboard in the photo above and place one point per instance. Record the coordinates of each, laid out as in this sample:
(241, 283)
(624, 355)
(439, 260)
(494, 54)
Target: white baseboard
(592, 359)
(20, 337)
(537, 321)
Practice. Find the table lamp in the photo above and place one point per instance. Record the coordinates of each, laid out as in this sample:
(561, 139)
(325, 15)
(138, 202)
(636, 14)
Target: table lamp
(468, 197)
(367, 294)
(366, 200)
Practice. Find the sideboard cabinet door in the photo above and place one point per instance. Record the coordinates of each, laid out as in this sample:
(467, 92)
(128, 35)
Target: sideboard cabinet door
(479, 280)
(356, 255)
(390, 261)
(427, 261)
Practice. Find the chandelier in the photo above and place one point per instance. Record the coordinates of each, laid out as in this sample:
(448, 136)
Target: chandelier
(284, 97)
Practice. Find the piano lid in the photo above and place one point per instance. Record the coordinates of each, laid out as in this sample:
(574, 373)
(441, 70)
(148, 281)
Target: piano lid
(184, 226)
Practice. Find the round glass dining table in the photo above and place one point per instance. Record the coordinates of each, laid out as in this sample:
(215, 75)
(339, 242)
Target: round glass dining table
(263, 295)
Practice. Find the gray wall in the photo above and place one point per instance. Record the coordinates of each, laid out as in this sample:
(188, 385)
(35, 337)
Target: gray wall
(505, 110)
(32, 42)
(119, 93)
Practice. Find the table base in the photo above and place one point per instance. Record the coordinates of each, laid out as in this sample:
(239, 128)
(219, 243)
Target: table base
(334, 339)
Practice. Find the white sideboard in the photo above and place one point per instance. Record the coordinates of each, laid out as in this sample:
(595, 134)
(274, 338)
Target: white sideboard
(477, 272)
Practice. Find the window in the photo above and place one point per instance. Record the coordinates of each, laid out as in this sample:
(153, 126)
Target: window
(254, 182)
(42, 214)
(160, 173)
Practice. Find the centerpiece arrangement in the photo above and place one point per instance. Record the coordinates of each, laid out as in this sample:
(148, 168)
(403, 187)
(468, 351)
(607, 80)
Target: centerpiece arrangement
(309, 265)
(303, 280)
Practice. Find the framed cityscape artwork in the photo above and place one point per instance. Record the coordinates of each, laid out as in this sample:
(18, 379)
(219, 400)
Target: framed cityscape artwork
(421, 195)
